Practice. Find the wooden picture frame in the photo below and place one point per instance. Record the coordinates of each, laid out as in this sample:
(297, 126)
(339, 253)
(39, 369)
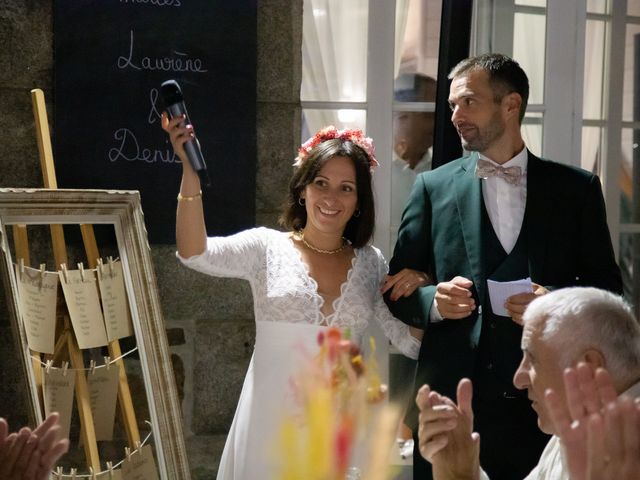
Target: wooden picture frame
(121, 212)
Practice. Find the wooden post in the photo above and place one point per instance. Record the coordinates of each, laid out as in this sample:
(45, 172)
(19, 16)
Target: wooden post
(127, 413)
(125, 402)
(87, 430)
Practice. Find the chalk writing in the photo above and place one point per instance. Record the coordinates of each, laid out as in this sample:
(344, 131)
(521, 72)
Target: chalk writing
(156, 3)
(154, 113)
(168, 64)
(129, 150)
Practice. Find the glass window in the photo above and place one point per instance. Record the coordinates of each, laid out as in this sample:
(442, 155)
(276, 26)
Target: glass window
(334, 50)
(631, 89)
(591, 149)
(417, 37)
(594, 62)
(528, 50)
(416, 70)
(630, 176)
(532, 3)
(633, 7)
(532, 132)
(597, 6)
(630, 268)
(314, 119)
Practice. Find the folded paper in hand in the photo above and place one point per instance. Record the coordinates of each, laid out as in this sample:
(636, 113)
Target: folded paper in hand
(500, 291)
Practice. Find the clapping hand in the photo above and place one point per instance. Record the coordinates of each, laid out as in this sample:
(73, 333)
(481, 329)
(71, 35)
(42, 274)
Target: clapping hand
(445, 432)
(613, 445)
(30, 455)
(597, 444)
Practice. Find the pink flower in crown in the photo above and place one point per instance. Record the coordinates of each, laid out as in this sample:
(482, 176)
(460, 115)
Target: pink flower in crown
(329, 133)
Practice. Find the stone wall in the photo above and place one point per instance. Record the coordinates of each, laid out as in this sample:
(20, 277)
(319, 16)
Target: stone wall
(209, 321)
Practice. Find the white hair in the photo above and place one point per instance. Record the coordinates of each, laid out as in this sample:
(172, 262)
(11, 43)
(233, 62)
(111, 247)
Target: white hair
(577, 319)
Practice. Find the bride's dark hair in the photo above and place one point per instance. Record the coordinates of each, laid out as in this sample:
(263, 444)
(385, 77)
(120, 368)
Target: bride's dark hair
(359, 229)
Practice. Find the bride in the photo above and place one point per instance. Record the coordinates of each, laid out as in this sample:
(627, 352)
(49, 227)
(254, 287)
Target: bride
(322, 272)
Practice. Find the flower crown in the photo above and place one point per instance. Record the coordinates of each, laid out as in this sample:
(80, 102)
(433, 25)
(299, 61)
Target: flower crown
(329, 133)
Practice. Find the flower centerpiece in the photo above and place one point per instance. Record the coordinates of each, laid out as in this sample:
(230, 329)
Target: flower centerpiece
(333, 390)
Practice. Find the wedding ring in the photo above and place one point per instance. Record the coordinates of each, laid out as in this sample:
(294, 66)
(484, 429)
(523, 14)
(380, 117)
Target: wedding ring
(407, 285)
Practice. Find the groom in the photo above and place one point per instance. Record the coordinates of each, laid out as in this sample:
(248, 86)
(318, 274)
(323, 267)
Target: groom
(500, 214)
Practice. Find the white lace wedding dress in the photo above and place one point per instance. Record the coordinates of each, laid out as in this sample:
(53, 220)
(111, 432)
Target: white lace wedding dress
(288, 317)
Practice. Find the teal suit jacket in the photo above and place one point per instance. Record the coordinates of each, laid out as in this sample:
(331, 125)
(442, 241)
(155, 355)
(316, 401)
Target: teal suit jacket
(568, 245)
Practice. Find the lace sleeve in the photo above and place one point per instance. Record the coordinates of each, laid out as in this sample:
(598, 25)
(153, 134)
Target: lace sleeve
(236, 256)
(394, 329)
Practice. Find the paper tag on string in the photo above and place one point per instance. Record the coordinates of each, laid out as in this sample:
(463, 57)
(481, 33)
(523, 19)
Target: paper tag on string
(114, 300)
(37, 294)
(81, 295)
(58, 395)
(103, 394)
(140, 465)
(113, 474)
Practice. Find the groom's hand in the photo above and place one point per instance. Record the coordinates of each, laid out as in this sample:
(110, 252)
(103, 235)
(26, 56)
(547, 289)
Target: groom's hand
(517, 304)
(453, 299)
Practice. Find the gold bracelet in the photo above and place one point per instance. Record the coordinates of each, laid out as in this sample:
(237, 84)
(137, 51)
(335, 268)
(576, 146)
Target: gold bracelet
(189, 198)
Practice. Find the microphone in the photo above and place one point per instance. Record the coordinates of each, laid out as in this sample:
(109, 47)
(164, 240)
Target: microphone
(174, 103)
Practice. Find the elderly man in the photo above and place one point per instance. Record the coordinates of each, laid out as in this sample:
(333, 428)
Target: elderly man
(562, 329)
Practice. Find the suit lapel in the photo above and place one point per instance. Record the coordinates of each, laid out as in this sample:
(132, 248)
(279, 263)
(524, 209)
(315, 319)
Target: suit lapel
(469, 201)
(536, 217)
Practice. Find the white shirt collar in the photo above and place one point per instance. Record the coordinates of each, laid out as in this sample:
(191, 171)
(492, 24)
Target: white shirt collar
(520, 160)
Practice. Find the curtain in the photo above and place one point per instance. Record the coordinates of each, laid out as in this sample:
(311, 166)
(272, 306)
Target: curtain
(334, 59)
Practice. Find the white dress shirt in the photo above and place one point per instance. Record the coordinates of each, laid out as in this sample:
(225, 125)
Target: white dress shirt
(505, 204)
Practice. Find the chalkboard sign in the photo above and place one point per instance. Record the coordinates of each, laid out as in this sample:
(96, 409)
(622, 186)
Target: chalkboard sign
(111, 57)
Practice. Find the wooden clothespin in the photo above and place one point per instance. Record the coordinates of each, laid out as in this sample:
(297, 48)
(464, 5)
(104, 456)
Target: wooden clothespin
(110, 260)
(99, 268)
(73, 473)
(107, 361)
(47, 367)
(58, 472)
(63, 267)
(138, 446)
(92, 473)
(92, 367)
(81, 268)
(43, 267)
(65, 367)
(127, 453)
(110, 468)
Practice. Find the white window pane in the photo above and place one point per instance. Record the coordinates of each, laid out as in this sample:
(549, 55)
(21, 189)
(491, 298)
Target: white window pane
(597, 6)
(591, 149)
(412, 150)
(528, 51)
(631, 89)
(532, 3)
(633, 7)
(594, 67)
(315, 119)
(417, 37)
(630, 176)
(334, 50)
(532, 132)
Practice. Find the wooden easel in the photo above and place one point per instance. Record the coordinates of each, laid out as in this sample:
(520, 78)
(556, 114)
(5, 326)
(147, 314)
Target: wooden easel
(66, 340)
